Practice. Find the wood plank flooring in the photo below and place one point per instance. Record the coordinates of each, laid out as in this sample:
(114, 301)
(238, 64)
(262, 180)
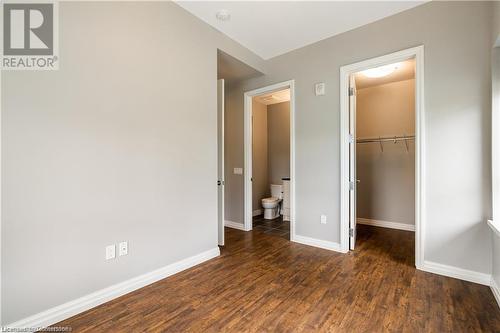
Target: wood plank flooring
(264, 283)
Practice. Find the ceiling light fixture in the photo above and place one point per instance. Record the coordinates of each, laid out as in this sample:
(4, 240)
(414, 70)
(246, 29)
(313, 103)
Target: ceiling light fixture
(223, 15)
(380, 71)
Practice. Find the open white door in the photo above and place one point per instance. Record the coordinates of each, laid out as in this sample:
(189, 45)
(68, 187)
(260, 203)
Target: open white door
(352, 162)
(220, 160)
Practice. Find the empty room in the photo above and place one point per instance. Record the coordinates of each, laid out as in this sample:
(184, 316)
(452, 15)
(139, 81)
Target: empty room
(250, 166)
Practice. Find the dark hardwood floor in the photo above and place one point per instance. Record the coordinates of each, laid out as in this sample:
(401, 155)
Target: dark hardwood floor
(264, 283)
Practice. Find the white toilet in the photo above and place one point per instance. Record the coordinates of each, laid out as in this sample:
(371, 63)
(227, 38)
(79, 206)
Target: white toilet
(272, 205)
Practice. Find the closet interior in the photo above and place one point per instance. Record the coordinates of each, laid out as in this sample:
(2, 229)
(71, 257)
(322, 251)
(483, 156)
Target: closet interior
(385, 148)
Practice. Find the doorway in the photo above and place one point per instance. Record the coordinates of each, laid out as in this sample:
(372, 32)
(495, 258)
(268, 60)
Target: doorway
(385, 124)
(269, 161)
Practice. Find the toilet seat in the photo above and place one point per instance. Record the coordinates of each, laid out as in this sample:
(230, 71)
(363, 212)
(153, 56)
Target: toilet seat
(270, 200)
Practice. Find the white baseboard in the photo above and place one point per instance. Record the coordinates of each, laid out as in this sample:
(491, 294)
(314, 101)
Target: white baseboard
(69, 309)
(257, 212)
(332, 246)
(386, 224)
(235, 225)
(496, 290)
(456, 272)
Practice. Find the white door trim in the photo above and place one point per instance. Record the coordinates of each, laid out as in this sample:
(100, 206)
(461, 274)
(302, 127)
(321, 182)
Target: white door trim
(221, 105)
(247, 173)
(345, 71)
(352, 166)
(1, 222)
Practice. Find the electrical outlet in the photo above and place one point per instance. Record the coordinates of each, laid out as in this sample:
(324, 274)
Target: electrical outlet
(110, 252)
(123, 249)
(323, 219)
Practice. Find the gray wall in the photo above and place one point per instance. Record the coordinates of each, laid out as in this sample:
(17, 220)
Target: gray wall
(457, 39)
(387, 178)
(495, 64)
(278, 120)
(260, 164)
(118, 144)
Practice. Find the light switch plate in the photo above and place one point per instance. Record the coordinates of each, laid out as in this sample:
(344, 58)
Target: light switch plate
(319, 89)
(110, 252)
(323, 219)
(238, 171)
(123, 249)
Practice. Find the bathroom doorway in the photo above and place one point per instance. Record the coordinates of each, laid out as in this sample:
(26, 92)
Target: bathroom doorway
(381, 160)
(269, 147)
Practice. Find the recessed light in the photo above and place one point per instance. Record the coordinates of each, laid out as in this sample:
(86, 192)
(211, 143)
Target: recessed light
(223, 15)
(380, 71)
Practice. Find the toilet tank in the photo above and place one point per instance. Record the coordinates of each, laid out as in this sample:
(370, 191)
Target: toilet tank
(277, 191)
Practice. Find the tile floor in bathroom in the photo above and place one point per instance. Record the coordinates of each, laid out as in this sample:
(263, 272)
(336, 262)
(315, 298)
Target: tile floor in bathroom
(275, 227)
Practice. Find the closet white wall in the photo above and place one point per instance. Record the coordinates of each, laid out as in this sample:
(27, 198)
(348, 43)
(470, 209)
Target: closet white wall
(386, 191)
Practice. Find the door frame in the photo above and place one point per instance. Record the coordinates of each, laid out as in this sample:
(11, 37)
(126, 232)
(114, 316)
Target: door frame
(352, 167)
(221, 103)
(247, 173)
(416, 53)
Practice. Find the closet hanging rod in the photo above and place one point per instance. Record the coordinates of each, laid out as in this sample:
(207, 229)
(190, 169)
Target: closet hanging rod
(386, 138)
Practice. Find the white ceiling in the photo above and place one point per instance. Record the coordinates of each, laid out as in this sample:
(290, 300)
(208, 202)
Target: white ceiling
(271, 28)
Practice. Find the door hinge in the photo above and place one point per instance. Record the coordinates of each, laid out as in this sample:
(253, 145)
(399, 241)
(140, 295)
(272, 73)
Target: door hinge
(351, 186)
(351, 91)
(351, 138)
(351, 232)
